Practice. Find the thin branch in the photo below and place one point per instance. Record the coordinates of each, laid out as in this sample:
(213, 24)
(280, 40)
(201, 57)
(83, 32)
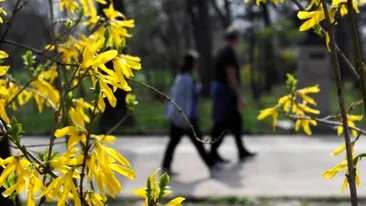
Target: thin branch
(36, 52)
(359, 62)
(16, 9)
(24, 150)
(347, 139)
(206, 141)
(49, 101)
(41, 145)
(19, 92)
(87, 147)
(339, 51)
(118, 123)
(325, 121)
(62, 35)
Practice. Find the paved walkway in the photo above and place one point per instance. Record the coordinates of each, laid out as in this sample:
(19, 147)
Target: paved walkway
(289, 166)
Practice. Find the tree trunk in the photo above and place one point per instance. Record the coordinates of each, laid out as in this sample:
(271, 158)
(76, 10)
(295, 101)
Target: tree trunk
(270, 71)
(198, 11)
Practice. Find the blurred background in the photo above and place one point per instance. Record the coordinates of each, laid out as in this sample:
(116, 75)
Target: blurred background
(165, 29)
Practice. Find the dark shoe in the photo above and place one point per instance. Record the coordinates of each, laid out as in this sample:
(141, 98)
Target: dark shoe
(169, 172)
(245, 155)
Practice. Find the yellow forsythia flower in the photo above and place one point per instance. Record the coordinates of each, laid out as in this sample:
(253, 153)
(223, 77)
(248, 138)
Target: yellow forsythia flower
(61, 187)
(351, 123)
(308, 90)
(30, 180)
(313, 18)
(70, 5)
(2, 11)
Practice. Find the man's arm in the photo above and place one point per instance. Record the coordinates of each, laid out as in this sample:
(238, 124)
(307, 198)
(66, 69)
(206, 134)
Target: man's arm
(234, 85)
(232, 80)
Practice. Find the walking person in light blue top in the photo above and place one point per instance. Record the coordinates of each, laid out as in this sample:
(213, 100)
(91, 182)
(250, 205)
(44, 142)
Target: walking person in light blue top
(185, 93)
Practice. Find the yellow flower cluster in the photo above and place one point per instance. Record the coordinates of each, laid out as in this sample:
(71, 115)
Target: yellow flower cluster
(97, 57)
(314, 13)
(289, 106)
(332, 172)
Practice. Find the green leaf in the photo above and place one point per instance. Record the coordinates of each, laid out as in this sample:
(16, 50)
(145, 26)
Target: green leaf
(163, 183)
(13, 121)
(68, 24)
(106, 36)
(97, 91)
(81, 12)
(69, 101)
(148, 189)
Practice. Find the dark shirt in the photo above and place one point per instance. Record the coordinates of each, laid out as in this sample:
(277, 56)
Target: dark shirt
(225, 58)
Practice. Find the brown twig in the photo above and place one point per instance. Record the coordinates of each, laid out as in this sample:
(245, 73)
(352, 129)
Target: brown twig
(347, 139)
(49, 101)
(325, 121)
(19, 92)
(87, 147)
(118, 123)
(16, 9)
(36, 52)
(41, 145)
(359, 62)
(62, 35)
(206, 141)
(24, 150)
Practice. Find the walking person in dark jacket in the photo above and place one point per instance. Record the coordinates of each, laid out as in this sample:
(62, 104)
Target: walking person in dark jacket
(227, 100)
(185, 93)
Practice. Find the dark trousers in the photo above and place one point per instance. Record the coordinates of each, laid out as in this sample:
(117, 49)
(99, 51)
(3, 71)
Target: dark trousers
(176, 134)
(234, 124)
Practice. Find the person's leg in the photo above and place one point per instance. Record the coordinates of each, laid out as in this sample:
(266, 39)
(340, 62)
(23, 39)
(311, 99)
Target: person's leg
(217, 136)
(175, 136)
(236, 129)
(209, 161)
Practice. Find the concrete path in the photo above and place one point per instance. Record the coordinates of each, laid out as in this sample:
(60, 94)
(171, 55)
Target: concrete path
(286, 166)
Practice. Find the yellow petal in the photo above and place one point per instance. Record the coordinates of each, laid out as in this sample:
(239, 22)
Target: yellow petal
(49, 47)
(9, 191)
(70, 130)
(3, 54)
(313, 17)
(73, 140)
(306, 127)
(327, 40)
(358, 181)
(313, 89)
(76, 118)
(4, 70)
(127, 172)
(354, 117)
(333, 171)
(106, 56)
(339, 150)
(117, 156)
(339, 130)
(265, 113)
(176, 201)
(141, 193)
(345, 184)
(307, 98)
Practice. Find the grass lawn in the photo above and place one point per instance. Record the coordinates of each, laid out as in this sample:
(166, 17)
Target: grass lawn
(149, 119)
